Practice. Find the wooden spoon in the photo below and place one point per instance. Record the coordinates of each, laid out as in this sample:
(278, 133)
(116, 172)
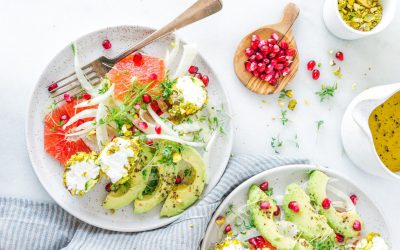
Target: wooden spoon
(283, 28)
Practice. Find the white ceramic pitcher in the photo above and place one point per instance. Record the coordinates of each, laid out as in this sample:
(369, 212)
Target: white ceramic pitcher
(356, 134)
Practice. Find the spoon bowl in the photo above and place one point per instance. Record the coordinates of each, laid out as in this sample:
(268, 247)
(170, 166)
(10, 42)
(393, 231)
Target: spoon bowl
(283, 29)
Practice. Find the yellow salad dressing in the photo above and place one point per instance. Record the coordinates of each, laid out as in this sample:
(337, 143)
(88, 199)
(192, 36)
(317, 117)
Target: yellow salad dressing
(384, 123)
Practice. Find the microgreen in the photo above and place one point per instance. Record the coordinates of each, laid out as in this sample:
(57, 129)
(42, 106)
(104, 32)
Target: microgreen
(283, 117)
(326, 92)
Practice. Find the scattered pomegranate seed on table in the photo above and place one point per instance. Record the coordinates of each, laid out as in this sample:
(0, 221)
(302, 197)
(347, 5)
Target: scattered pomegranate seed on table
(277, 211)
(339, 55)
(137, 59)
(106, 44)
(269, 59)
(354, 199)
(315, 74)
(311, 65)
(52, 87)
(326, 203)
(264, 186)
(86, 96)
(158, 129)
(146, 98)
(294, 206)
(68, 98)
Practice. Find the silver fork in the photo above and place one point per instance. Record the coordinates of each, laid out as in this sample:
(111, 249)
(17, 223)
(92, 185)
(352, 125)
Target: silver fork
(95, 70)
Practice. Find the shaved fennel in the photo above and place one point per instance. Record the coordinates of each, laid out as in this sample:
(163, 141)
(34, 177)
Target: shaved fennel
(346, 199)
(98, 99)
(188, 55)
(88, 113)
(167, 129)
(86, 85)
(101, 127)
(174, 139)
(82, 129)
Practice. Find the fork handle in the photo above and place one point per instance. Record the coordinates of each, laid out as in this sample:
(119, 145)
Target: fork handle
(198, 11)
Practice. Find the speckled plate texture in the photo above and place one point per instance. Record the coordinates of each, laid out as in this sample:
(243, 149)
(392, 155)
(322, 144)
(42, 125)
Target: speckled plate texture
(49, 171)
(279, 178)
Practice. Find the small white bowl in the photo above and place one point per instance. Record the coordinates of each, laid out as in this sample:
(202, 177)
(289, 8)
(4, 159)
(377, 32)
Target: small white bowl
(337, 26)
(357, 141)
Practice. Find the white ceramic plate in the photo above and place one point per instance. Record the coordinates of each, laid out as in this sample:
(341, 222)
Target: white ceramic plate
(278, 179)
(49, 171)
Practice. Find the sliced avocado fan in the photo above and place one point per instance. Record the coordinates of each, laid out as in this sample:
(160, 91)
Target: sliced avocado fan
(313, 227)
(166, 181)
(184, 195)
(263, 219)
(341, 222)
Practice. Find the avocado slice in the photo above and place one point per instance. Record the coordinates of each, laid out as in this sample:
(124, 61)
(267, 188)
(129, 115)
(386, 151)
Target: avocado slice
(166, 181)
(128, 191)
(313, 226)
(184, 195)
(341, 222)
(264, 222)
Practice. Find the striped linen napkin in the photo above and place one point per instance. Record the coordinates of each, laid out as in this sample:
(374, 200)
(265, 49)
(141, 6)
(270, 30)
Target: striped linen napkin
(26, 224)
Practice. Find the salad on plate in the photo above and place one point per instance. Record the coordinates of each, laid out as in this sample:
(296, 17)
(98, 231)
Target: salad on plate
(146, 127)
(303, 218)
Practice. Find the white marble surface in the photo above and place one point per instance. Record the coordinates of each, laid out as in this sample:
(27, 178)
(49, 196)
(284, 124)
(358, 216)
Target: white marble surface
(33, 31)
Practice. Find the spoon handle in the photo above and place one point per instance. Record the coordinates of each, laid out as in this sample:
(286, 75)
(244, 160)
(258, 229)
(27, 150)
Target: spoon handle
(198, 11)
(290, 14)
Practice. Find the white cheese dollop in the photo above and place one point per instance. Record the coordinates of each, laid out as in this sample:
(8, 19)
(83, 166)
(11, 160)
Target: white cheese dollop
(191, 90)
(80, 173)
(378, 244)
(116, 165)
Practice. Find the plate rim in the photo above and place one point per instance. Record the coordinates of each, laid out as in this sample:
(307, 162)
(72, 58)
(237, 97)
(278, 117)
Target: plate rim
(29, 143)
(282, 168)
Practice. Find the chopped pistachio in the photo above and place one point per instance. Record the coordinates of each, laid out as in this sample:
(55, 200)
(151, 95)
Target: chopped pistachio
(337, 72)
(292, 104)
(362, 15)
(332, 62)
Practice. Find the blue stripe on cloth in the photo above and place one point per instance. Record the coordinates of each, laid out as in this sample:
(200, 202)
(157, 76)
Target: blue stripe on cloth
(30, 225)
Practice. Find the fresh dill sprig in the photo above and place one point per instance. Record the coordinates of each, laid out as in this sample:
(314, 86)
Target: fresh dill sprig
(276, 144)
(326, 92)
(283, 117)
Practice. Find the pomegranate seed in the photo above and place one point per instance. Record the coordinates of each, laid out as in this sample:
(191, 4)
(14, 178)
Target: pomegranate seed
(262, 76)
(272, 55)
(146, 98)
(247, 65)
(86, 96)
(277, 211)
(52, 87)
(277, 74)
(154, 106)
(315, 74)
(285, 71)
(248, 52)
(68, 98)
(264, 186)
(294, 206)
(153, 76)
(255, 38)
(106, 44)
(149, 142)
(253, 66)
(261, 67)
(266, 61)
(276, 48)
(260, 242)
(79, 122)
(159, 112)
(259, 56)
(64, 118)
(205, 80)
(281, 59)
(143, 125)
(269, 77)
(193, 69)
(227, 228)
(255, 73)
(158, 129)
(284, 45)
(326, 203)
(271, 41)
(273, 82)
(178, 180)
(254, 45)
(137, 59)
(270, 69)
(252, 58)
(279, 66)
(275, 36)
(253, 242)
(354, 199)
(290, 52)
(357, 225)
(289, 58)
(265, 205)
(339, 55)
(287, 63)
(311, 65)
(261, 44)
(339, 238)
(198, 75)
(108, 187)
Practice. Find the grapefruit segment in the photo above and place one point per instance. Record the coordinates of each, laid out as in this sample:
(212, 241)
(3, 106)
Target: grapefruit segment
(56, 143)
(124, 70)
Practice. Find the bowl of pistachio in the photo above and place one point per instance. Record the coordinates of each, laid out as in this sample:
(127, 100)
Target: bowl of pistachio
(354, 19)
